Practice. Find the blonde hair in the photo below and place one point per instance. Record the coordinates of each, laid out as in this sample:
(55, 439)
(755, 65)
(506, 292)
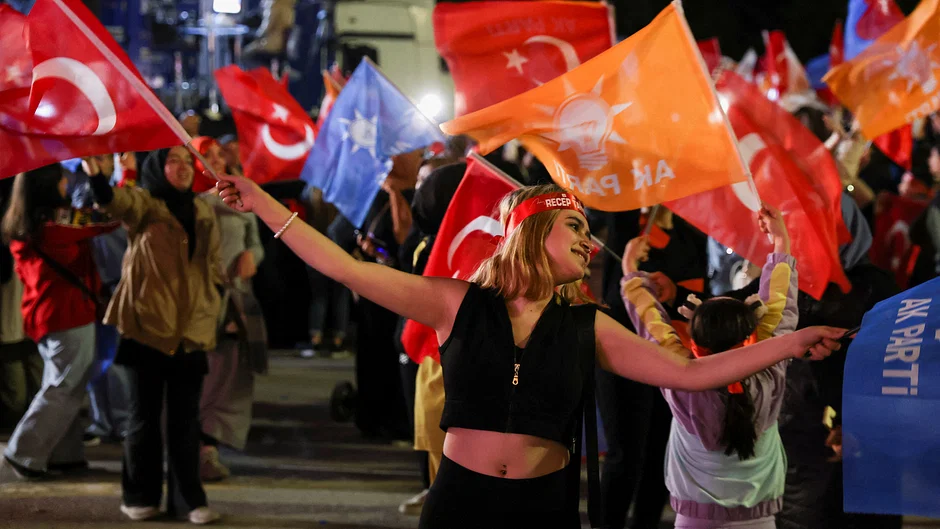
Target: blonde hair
(520, 266)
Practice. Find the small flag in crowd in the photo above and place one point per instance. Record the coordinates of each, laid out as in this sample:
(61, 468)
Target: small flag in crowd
(625, 129)
(867, 20)
(371, 121)
(469, 234)
(892, 248)
(70, 91)
(890, 401)
(275, 133)
(496, 50)
(894, 81)
(333, 83)
(711, 52)
(793, 172)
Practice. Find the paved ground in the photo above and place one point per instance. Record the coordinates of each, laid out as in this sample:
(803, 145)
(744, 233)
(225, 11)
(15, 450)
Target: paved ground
(300, 471)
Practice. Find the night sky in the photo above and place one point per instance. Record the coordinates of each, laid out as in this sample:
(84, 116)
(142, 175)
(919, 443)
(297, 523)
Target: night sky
(737, 23)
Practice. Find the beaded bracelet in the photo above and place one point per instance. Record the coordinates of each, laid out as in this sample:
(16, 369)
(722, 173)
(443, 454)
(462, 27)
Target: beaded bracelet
(286, 224)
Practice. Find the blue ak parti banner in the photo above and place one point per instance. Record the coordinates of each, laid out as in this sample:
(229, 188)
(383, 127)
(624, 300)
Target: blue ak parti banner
(371, 121)
(891, 407)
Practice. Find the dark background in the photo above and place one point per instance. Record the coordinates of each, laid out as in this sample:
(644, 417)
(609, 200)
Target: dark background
(737, 23)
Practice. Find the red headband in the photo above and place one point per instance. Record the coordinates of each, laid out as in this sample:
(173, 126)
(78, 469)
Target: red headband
(539, 204)
(699, 352)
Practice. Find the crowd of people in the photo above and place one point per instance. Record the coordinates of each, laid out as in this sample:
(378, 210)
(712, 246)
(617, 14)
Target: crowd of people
(132, 278)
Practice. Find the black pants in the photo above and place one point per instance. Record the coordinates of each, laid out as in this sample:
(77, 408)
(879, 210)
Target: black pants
(636, 422)
(463, 499)
(153, 378)
(380, 405)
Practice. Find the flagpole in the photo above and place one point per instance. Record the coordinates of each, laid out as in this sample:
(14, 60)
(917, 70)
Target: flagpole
(517, 184)
(711, 84)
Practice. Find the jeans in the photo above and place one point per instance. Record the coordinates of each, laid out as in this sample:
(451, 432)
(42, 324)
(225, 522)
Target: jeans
(51, 432)
(177, 379)
(20, 380)
(108, 389)
(327, 299)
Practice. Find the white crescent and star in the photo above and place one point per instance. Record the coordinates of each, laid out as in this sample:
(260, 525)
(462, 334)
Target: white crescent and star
(87, 81)
(516, 60)
(291, 152)
(287, 152)
(483, 223)
(751, 144)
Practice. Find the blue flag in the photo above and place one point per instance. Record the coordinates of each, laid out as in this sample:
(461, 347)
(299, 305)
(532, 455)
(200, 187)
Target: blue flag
(866, 21)
(371, 121)
(891, 405)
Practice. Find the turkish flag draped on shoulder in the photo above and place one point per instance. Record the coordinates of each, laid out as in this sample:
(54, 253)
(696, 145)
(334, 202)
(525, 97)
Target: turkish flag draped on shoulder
(274, 132)
(629, 128)
(71, 91)
(894, 81)
(496, 50)
(793, 172)
(469, 234)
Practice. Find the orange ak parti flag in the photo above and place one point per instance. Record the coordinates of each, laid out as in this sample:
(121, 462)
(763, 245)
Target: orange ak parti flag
(635, 126)
(894, 81)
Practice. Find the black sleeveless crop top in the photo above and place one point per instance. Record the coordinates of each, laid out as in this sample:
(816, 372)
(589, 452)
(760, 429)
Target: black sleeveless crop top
(478, 363)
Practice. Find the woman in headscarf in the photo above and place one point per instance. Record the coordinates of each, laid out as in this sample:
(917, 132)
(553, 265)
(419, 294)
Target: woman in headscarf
(166, 308)
(225, 408)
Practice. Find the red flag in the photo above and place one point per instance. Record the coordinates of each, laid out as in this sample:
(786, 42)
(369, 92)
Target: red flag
(70, 91)
(496, 50)
(897, 145)
(274, 132)
(836, 57)
(469, 234)
(711, 52)
(891, 244)
(775, 63)
(793, 172)
(837, 46)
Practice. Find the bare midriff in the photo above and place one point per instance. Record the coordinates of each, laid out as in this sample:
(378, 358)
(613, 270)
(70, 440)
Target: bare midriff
(504, 455)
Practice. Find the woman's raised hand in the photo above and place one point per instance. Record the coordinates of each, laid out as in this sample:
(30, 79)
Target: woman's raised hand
(238, 192)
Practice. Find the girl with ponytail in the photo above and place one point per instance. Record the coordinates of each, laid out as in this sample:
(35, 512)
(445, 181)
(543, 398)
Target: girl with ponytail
(725, 463)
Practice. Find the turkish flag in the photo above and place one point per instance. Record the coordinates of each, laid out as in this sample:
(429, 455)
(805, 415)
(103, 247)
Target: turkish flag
(469, 234)
(793, 172)
(711, 52)
(891, 245)
(68, 90)
(836, 57)
(895, 80)
(496, 50)
(629, 128)
(274, 132)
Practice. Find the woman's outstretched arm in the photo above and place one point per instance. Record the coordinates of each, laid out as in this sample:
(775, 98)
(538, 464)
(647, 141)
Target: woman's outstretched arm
(624, 353)
(432, 301)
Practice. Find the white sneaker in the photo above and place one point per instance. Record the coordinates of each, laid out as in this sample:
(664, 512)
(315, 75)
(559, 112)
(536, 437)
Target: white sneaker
(203, 516)
(413, 505)
(140, 513)
(210, 468)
